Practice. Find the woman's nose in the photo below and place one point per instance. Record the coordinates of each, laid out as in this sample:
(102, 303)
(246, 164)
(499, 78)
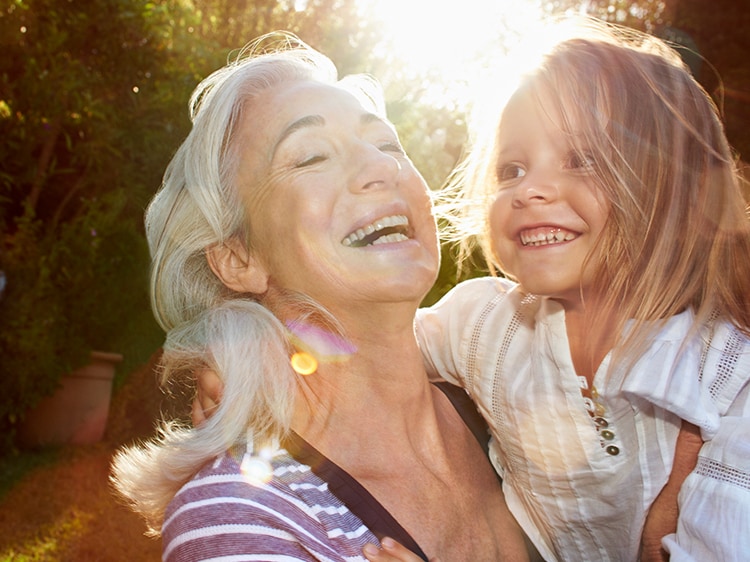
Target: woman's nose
(375, 167)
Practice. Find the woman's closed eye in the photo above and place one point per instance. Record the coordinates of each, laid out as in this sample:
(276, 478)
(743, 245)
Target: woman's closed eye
(392, 146)
(311, 160)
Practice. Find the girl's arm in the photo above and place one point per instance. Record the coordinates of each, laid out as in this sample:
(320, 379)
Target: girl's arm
(662, 517)
(443, 329)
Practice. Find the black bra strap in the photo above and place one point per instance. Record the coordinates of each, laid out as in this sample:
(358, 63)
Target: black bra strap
(356, 497)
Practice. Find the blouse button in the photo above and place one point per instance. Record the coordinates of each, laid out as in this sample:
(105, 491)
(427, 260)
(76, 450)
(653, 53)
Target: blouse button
(601, 422)
(607, 434)
(612, 450)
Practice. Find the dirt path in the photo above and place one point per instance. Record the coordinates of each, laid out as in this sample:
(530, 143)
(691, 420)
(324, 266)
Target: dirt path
(66, 512)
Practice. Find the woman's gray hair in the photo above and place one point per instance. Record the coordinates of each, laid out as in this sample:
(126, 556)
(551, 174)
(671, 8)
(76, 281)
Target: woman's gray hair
(198, 205)
(207, 324)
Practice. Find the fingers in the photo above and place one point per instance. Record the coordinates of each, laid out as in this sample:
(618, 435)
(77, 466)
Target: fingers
(209, 385)
(209, 388)
(389, 551)
(201, 410)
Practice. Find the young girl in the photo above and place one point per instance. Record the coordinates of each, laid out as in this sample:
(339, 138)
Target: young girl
(610, 195)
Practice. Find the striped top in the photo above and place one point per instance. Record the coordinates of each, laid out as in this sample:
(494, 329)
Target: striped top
(224, 515)
(579, 473)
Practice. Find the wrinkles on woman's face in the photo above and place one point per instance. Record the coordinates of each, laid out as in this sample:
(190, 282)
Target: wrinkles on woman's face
(319, 171)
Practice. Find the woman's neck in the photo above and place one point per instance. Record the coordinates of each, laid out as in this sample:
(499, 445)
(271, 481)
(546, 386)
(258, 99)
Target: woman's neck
(381, 387)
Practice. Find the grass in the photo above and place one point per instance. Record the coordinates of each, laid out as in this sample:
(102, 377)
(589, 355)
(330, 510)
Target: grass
(65, 511)
(16, 466)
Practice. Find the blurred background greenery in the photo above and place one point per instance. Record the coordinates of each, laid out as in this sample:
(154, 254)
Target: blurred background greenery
(93, 102)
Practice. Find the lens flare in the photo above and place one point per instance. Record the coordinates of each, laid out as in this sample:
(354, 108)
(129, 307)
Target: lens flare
(304, 363)
(316, 345)
(256, 470)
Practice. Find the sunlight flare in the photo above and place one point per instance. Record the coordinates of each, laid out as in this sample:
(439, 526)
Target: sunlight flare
(454, 42)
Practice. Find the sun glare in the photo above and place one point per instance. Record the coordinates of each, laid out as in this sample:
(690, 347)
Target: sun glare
(454, 40)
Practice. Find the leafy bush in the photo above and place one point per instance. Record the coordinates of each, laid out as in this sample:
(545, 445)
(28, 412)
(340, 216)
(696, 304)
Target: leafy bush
(80, 288)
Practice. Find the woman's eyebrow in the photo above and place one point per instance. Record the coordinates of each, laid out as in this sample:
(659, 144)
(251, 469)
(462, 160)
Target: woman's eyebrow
(319, 121)
(301, 123)
(368, 118)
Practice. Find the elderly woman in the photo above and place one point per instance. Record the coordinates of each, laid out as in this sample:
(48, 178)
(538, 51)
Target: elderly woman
(292, 232)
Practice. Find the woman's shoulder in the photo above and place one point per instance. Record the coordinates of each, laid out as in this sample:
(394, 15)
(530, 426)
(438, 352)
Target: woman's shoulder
(240, 505)
(229, 479)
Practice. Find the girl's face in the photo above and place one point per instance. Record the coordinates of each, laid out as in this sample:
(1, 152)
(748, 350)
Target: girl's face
(547, 212)
(336, 209)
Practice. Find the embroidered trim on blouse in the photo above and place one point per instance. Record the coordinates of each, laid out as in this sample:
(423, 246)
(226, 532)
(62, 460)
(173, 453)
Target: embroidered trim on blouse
(725, 369)
(471, 357)
(718, 471)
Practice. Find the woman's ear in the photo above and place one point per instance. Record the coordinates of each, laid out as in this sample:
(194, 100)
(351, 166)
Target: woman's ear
(237, 268)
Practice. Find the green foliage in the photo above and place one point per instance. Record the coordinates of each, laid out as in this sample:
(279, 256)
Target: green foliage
(17, 465)
(80, 288)
(87, 113)
(93, 102)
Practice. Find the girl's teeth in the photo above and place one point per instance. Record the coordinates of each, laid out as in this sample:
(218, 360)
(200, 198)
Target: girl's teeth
(543, 239)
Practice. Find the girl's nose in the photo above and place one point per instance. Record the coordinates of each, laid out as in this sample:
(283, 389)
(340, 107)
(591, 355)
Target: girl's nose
(535, 189)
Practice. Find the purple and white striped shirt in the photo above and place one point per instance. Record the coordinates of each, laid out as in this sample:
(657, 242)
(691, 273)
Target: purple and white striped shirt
(223, 515)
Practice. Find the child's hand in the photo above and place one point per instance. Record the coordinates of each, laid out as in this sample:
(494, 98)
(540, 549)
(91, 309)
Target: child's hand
(391, 551)
(207, 397)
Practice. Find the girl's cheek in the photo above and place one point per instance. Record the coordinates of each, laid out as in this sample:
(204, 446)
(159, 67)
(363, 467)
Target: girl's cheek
(498, 217)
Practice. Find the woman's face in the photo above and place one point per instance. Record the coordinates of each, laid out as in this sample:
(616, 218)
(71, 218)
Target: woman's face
(336, 209)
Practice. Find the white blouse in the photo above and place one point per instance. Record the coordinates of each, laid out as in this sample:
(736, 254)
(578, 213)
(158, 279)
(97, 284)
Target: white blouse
(581, 484)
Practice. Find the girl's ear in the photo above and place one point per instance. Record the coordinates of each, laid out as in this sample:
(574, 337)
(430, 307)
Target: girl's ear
(237, 268)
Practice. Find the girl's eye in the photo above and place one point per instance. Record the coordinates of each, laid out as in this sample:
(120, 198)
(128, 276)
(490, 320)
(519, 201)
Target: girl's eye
(509, 172)
(312, 160)
(580, 160)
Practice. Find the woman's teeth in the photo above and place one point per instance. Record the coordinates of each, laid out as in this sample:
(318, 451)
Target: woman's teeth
(383, 231)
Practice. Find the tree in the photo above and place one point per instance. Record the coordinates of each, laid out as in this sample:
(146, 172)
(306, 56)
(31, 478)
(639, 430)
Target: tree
(83, 117)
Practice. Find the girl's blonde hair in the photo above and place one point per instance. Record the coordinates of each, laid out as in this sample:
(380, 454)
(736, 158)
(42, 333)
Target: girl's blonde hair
(208, 325)
(677, 236)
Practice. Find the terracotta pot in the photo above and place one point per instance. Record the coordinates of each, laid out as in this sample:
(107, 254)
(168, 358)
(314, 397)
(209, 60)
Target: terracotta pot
(77, 412)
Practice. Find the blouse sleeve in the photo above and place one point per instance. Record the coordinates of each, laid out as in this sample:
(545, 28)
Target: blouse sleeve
(443, 329)
(714, 521)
